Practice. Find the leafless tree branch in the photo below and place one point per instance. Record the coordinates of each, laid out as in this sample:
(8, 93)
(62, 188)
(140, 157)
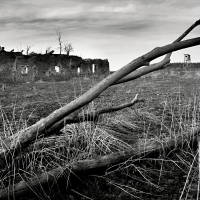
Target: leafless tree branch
(59, 38)
(92, 116)
(28, 47)
(68, 48)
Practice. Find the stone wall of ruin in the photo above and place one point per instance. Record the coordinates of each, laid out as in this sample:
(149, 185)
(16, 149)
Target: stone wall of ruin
(43, 67)
(179, 69)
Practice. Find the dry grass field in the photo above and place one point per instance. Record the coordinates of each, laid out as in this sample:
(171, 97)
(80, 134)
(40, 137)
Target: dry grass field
(171, 108)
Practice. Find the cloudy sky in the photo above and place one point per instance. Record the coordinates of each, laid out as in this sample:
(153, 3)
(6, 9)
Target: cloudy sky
(117, 30)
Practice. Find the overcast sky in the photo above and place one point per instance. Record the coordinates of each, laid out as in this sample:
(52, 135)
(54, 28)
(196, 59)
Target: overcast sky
(117, 30)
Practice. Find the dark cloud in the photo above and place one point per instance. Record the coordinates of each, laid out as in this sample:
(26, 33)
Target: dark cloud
(124, 15)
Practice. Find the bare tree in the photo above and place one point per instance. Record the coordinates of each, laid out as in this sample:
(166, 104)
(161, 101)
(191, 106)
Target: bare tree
(59, 38)
(68, 48)
(28, 47)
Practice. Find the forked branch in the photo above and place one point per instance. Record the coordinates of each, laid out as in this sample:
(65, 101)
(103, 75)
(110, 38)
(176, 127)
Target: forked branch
(157, 66)
(92, 116)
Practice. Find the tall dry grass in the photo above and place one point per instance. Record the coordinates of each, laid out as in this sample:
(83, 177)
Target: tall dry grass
(174, 115)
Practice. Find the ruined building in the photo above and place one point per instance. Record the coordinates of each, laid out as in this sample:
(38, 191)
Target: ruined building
(14, 66)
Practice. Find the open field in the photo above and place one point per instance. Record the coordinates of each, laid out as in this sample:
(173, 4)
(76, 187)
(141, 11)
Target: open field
(171, 108)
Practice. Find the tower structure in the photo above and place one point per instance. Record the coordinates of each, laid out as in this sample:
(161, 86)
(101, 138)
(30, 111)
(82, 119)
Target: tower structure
(187, 59)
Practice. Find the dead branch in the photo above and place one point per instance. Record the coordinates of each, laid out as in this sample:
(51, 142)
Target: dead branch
(59, 38)
(68, 48)
(160, 65)
(28, 47)
(150, 149)
(93, 116)
(28, 135)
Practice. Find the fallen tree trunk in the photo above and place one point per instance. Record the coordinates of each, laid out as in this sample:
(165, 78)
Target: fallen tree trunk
(149, 149)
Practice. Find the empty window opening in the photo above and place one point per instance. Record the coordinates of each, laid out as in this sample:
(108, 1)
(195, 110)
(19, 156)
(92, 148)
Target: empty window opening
(78, 70)
(24, 69)
(93, 68)
(57, 69)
